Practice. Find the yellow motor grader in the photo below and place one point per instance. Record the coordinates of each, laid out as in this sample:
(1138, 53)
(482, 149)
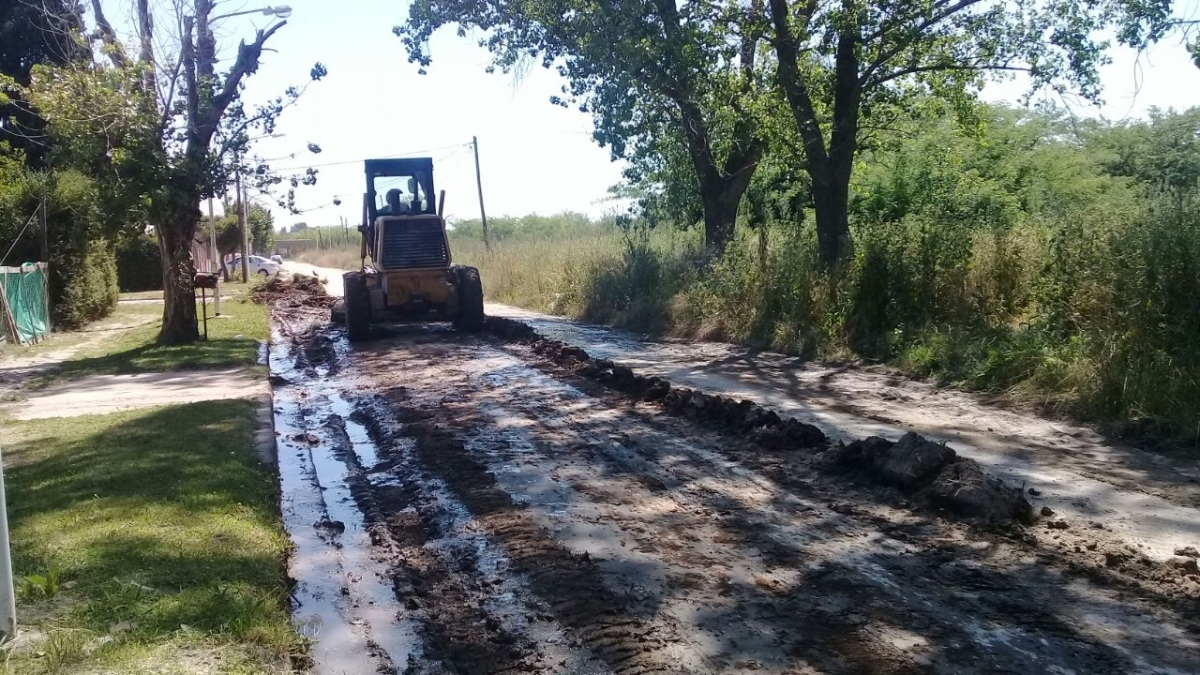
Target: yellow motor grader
(410, 276)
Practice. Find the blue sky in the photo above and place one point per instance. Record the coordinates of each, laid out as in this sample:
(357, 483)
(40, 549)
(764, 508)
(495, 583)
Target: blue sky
(536, 157)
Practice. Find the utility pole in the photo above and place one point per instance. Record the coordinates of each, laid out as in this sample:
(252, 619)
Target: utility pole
(242, 217)
(214, 260)
(45, 259)
(479, 184)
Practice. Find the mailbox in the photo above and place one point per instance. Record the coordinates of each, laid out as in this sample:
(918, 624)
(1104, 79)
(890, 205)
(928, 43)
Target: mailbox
(205, 280)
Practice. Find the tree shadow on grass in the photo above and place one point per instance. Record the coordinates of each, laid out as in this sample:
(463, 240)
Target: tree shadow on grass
(154, 358)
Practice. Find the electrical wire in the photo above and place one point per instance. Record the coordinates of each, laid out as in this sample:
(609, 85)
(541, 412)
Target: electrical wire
(411, 153)
(19, 234)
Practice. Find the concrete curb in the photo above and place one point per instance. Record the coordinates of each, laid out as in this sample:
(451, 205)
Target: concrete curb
(264, 438)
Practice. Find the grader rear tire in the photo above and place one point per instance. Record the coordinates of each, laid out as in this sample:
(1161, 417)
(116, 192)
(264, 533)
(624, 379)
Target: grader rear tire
(470, 300)
(358, 306)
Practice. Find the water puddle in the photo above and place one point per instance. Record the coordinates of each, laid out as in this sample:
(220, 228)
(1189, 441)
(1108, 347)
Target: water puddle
(344, 598)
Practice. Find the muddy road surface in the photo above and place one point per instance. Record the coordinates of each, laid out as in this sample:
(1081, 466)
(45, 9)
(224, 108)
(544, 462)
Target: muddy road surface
(463, 504)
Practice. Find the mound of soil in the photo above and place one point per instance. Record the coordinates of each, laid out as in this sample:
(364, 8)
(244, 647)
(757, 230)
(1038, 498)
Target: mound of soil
(297, 292)
(936, 475)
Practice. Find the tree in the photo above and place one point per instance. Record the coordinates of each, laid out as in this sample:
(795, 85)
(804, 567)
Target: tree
(167, 155)
(262, 228)
(843, 61)
(30, 34)
(643, 68)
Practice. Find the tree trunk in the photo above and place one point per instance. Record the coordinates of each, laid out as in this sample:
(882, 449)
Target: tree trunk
(831, 201)
(721, 185)
(829, 166)
(720, 213)
(179, 290)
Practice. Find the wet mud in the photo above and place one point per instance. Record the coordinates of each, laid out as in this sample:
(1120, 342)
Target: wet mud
(477, 504)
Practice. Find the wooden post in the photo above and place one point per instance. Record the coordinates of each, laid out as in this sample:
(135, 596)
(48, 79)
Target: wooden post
(479, 184)
(242, 224)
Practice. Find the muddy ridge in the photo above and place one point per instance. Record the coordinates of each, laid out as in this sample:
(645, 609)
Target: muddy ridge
(951, 485)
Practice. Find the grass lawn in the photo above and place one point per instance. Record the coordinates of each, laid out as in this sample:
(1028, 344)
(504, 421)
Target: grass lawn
(233, 289)
(233, 340)
(142, 295)
(153, 541)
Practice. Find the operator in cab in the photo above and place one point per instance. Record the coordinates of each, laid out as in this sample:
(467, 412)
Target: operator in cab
(395, 205)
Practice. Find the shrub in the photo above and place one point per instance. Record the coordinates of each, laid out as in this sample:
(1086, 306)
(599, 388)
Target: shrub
(138, 264)
(83, 283)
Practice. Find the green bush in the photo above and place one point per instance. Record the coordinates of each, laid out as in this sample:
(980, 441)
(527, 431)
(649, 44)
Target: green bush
(83, 283)
(138, 265)
(83, 270)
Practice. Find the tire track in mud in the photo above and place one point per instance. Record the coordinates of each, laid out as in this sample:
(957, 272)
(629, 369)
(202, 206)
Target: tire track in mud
(567, 582)
(981, 627)
(475, 614)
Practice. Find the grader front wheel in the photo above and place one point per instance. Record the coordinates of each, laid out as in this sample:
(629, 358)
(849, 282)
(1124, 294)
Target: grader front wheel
(358, 306)
(470, 300)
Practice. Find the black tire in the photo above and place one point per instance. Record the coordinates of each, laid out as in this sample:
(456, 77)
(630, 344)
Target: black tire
(264, 274)
(470, 300)
(358, 306)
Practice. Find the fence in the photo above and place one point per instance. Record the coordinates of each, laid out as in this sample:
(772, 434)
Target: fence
(24, 303)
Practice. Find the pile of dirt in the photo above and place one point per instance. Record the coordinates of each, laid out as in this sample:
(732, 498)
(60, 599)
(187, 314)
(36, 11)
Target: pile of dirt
(935, 475)
(300, 291)
(931, 472)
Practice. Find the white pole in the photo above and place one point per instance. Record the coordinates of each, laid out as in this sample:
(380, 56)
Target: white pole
(479, 184)
(8, 597)
(243, 218)
(214, 259)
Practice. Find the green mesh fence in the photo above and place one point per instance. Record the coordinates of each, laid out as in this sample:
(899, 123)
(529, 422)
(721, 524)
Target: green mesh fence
(23, 307)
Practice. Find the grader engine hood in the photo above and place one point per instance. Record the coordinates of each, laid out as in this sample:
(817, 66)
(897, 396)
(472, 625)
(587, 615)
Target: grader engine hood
(410, 242)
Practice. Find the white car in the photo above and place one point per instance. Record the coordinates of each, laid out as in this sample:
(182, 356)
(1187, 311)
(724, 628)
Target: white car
(258, 265)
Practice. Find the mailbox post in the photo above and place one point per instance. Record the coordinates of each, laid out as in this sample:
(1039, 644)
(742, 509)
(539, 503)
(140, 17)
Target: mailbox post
(205, 281)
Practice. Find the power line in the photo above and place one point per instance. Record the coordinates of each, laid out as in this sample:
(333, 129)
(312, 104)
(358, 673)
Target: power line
(411, 153)
(22, 232)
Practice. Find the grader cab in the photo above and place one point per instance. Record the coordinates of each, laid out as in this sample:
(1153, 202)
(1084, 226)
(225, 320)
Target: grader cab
(410, 276)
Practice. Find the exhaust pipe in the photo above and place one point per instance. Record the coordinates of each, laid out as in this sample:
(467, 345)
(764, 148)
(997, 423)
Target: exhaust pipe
(442, 205)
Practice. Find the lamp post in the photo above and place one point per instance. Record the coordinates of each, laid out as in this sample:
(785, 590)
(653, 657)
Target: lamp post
(282, 11)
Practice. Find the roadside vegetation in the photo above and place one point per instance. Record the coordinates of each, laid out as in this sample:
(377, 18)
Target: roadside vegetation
(233, 341)
(1049, 260)
(1053, 261)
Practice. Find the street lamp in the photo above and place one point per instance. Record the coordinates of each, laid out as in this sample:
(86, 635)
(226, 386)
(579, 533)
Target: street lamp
(282, 11)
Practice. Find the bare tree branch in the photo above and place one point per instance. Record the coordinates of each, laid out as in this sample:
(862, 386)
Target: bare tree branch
(246, 63)
(146, 54)
(115, 50)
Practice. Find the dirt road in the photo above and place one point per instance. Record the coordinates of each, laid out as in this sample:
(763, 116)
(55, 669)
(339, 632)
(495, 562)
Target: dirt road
(461, 503)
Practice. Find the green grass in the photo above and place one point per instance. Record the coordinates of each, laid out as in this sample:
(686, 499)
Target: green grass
(142, 295)
(160, 531)
(232, 342)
